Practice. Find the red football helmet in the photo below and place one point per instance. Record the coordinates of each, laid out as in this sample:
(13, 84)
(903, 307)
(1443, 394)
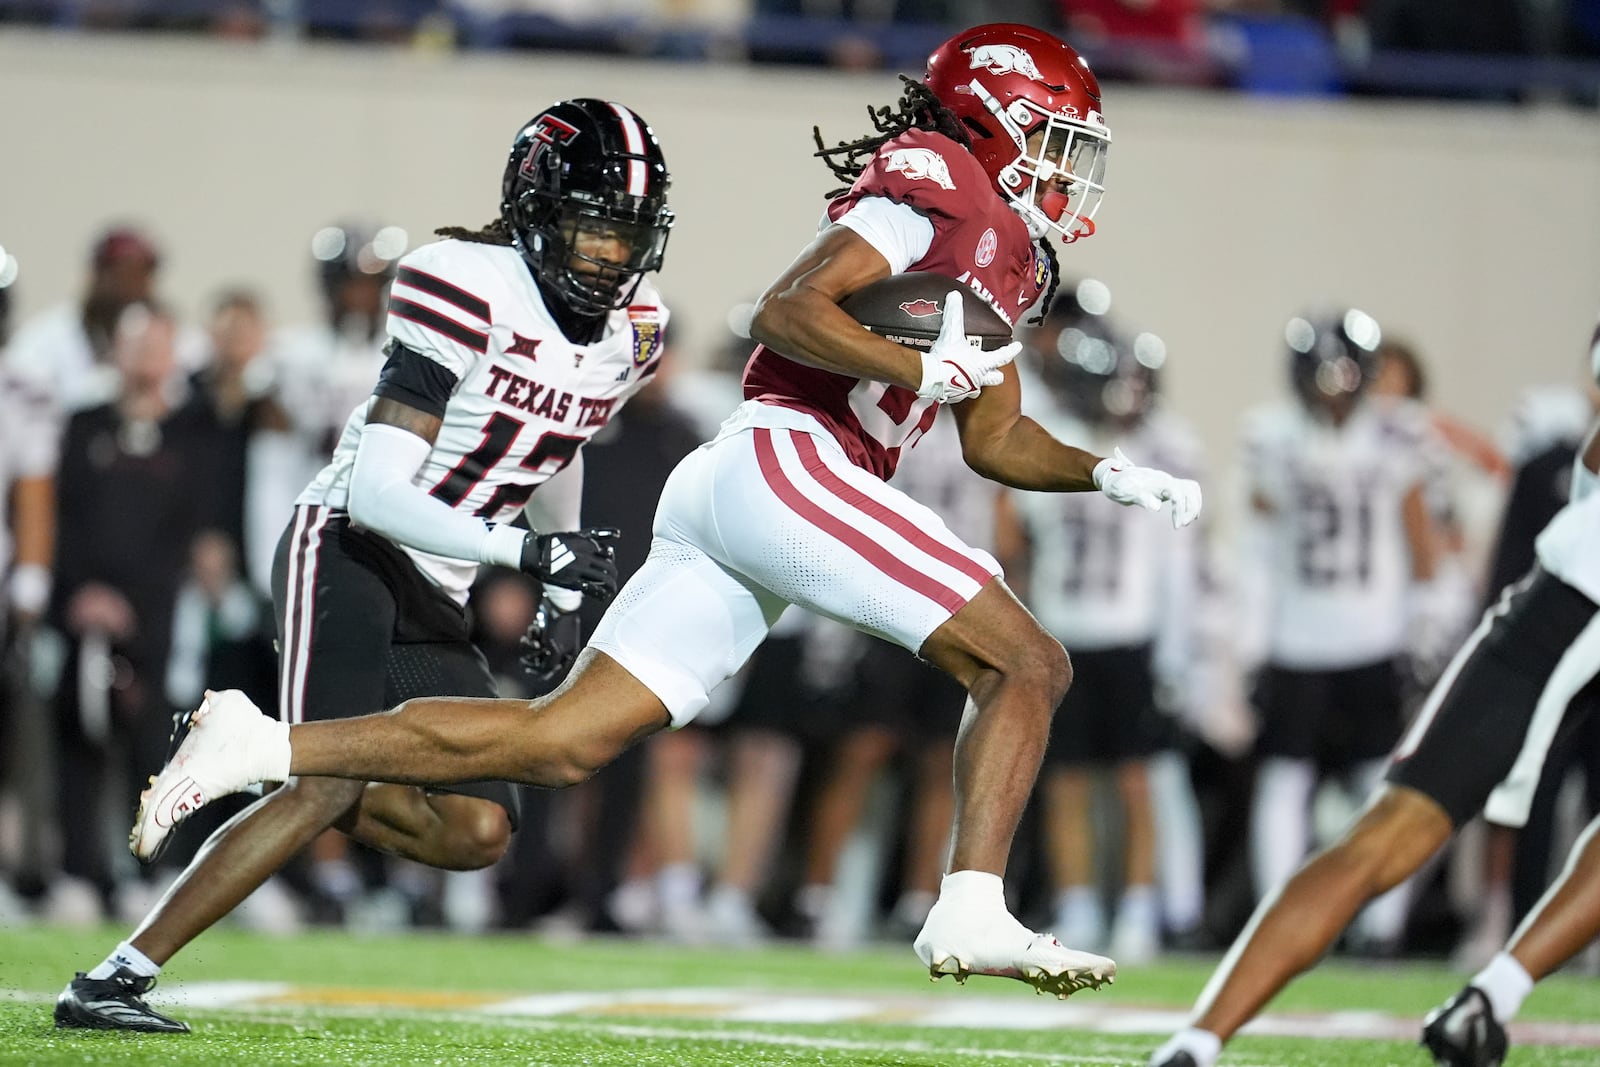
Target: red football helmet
(1032, 108)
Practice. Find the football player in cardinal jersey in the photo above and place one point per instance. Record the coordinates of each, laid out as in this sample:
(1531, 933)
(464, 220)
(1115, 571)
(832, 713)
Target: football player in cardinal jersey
(509, 347)
(999, 146)
(1119, 594)
(1524, 679)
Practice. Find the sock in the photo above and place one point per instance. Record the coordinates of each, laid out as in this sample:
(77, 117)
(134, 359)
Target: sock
(1079, 916)
(913, 906)
(972, 888)
(1078, 899)
(678, 887)
(1506, 984)
(1138, 906)
(413, 879)
(814, 900)
(724, 898)
(336, 879)
(126, 956)
(1202, 1045)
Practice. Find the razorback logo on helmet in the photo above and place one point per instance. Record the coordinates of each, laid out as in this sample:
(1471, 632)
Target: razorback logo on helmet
(920, 308)
(1005, 59)
(548, 131)
(646, 322)
(921, 164)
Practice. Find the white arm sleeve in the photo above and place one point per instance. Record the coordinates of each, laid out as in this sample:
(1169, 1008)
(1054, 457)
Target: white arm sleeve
(554, 506)
(557, 503)
(384, 497)
(901, 234)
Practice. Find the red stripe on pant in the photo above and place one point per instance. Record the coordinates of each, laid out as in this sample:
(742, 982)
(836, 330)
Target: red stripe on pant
(849, 536)
(813, 462)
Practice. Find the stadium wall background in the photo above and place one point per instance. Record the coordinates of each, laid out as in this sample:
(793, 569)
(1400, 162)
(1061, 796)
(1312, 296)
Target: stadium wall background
(1472, 229)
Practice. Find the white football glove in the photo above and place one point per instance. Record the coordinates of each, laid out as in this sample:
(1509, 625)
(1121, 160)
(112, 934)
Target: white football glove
(953, 369)
(1122, 481)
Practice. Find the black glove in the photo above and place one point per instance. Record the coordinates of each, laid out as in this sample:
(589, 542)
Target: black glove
(577, 559)
(552, 642)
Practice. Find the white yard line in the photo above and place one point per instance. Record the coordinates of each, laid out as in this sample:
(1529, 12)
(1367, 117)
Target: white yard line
(601, 1010)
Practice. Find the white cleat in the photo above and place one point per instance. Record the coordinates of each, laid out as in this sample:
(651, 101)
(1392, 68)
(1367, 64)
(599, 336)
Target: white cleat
(213, 752)
(996, 944)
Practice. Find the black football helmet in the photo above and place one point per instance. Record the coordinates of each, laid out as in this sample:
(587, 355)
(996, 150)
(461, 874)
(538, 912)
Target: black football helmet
(353, 250)
(1095, 372)
(593, 168)
(1110, 380)
(1332, 358)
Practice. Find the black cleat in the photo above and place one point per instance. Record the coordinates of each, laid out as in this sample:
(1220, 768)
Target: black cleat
(115, 1003)
(1463, 1032)
(1177, 1059)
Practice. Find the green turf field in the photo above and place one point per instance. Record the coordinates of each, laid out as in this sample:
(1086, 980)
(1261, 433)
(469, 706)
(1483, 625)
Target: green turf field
(333, 998)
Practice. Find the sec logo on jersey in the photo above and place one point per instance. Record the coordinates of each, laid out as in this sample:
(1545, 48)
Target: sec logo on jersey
(986, 248)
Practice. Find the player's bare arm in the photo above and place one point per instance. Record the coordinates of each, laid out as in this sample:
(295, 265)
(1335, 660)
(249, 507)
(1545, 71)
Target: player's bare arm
(388, 412)
(1001, 443)
(33, 509)
(799, 313)
(1422, 534)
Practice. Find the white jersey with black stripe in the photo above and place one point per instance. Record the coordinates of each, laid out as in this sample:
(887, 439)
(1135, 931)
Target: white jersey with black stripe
(29, 436)
(1337, 557)
(525, 398)
(1567, 545)
(1099, 571)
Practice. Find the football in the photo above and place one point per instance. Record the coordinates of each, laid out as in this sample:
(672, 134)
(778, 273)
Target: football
(908, 310)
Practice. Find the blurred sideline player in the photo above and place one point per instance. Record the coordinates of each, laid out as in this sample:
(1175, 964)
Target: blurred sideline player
(328, 367)
(757, 735)
(1465, 491)
(1344, 550)
(509, 347)
(901, 706)
(751, 726)
(64, 351)
(29, 443)
(1522, 680)
(1119, 595)
(788, 504)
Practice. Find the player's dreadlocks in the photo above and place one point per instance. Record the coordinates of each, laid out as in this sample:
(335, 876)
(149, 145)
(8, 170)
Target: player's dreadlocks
(496, 233)
(1055, 276)
(917, 109)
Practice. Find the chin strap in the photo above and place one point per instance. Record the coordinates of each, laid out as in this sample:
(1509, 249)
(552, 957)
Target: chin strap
(1039, 228)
